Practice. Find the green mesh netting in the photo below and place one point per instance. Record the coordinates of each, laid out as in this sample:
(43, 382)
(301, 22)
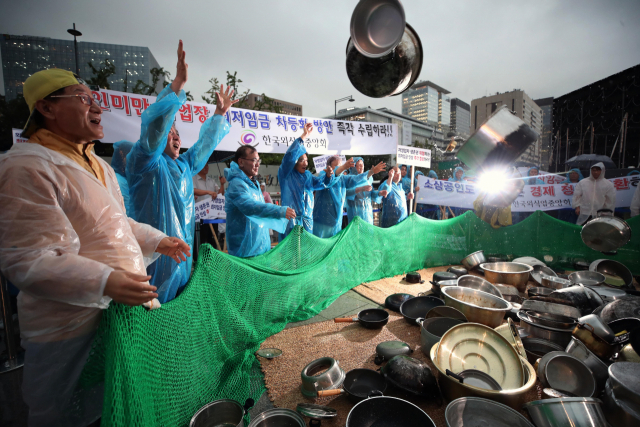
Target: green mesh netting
(160, 367)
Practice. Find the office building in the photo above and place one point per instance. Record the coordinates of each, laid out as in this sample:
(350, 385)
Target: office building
(521, 105)
(24, 55)
(460, 118)
(427, 102)
(546, 104)
(288, 108)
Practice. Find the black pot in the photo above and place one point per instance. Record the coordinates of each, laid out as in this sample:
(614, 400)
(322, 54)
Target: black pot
(394, 301)
(413, 277)
(387, 350)
(458, 271)
(446, 275)
(417, 307)
(410, 375)
(389, 412)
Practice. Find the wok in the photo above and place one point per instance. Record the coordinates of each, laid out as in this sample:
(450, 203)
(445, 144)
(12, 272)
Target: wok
(394, 301)
(417, 307)
(358, 385)
(387, 412)
(371, 318)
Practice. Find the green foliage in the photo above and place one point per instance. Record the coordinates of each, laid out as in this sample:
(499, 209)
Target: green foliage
(264, 103)
(13, 114)
(101, 75)
(157, 74)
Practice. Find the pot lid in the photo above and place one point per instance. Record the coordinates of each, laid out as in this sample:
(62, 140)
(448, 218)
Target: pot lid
(317, 412)
(388, 349)
(445, 275)
(269, 353)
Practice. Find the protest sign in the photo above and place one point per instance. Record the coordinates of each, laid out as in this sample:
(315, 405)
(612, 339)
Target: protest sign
(320, 162)
(413, 156)
(17, 136)
(211, 209)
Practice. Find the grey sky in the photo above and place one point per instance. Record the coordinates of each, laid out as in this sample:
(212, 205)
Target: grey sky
(294, 50)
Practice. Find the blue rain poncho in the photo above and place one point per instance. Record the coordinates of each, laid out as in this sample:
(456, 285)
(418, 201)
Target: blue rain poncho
(406, 181)
(568, 180)
(533, 180)
(119, 164)
(161, 189)
(359, 203)
(454, 178)
(394, 206)
(297, 188)
(249, 217)
(329, 204)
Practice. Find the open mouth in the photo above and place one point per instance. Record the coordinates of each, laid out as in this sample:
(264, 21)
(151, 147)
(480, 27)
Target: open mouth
(175, 146)
(95, 121)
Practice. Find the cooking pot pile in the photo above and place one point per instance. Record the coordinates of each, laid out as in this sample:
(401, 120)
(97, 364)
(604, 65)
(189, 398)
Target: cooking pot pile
(574, 337)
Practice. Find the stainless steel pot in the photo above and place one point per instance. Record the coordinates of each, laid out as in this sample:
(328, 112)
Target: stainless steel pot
(555, 335)
(475, 282)
(476, 411)
(433, 329)
(477, 306)
(473, 260)
(278, 417)
(600, 369)
(606, 233)
(225, 412)
(377, 26)
(510, 273)
(553, 282)
(321, 374)
(587, 278)
(570, 375)
(549, 307)
(612, 269)
(541, 270)
(567, 411)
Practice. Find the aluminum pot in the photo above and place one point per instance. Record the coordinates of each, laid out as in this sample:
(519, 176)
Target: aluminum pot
(477, 306)
(433, 329)
(510, 273)
(473, 260)
(452, 389)
(467, 411)
(377, 26)
(598, 346)
(599, 369)
(225, 412)
(555, 335)
(475, 282)
(567, 411)
(536, 348)
(321, 374)
(587, 278)
(278, 417)
(549, 307)
(606, 233)
(612, 268)
(554, 282)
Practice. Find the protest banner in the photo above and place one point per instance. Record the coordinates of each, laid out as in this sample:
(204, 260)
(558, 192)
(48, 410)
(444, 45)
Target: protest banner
(413, 156)
(267, 132)
(320, 162)
(532, 198)
(211, 209)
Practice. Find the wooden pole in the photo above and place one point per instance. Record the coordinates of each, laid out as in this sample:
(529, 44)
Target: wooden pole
(413, 168)
(215, 237)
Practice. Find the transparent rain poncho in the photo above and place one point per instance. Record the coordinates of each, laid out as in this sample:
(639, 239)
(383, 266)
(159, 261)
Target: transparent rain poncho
(591, 195)
(328, 209)
(359, 203)
(119, 164)
(533, 180)
(161, 189)
(394, 206)
(249, 217)
(297, 188)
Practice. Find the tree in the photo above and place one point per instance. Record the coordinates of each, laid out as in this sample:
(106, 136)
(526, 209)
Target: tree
(143, 88)
(263, 103)
(101, 75)
(13, 114)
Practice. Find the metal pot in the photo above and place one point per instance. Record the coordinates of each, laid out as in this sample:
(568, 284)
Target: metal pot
(618, 412)
(278, 417)
(587, 278)
(387, 411)
(388, 349)
(548, 307)
(541, 270)
(552, 320)
(586, 334)
(473, 260)
(433, 329)
(569, 374)
(417, 307)
(600, 369)
(555, 335)
(538, 347)
(413, 277)
(567, 411)
(377, 26)
(554, 282)
(411, 375)
(624, 379)
(538, 292)
(510, 273)
(612, 269)
(475, 282)
(477, 306)
(436, 286)
(321, 374)
(221, 412)
(444, 275)
(606, 233)
(457, 270)
(476, 411)
(600, 328)
(394, 301)
(358, 385)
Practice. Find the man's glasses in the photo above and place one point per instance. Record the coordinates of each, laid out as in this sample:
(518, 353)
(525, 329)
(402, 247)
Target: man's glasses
(86, 99)
(254, 161)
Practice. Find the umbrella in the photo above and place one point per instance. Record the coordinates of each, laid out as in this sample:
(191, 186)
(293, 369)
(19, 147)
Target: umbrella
(585, 161)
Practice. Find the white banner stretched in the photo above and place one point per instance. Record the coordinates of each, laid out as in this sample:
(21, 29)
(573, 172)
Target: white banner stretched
(268, 132)
(211, 209)
(532, 198)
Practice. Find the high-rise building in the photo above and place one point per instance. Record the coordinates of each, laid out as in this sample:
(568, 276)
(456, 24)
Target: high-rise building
(288, 108)
(460, 118)
(428, 103)
(521, 105)
(24, 55)
(546, 104)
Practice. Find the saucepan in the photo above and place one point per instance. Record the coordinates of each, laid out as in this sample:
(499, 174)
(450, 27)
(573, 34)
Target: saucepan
(371, 318)
(225, 412)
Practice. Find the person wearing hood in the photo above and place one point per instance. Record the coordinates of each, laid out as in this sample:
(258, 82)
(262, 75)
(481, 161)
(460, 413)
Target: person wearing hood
(394, 205)
(161, 179)
(533, 173)
(119, 164)
(297, 184)
(249, 217)
(568, 214)
(573, 177)
(593, 194)
(430, 211)
(359, 199)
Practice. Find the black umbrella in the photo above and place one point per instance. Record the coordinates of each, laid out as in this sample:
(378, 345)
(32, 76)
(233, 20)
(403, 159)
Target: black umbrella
(585, 161)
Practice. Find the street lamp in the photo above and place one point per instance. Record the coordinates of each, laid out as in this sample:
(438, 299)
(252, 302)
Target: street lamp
(75, 33)
(335, 105)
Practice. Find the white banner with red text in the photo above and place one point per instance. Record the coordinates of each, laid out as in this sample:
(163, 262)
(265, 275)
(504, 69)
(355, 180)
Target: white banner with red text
(532, 198)
(210, 209)
(267, 132)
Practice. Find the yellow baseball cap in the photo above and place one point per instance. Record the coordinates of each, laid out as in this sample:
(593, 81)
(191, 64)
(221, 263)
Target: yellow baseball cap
(42, 84)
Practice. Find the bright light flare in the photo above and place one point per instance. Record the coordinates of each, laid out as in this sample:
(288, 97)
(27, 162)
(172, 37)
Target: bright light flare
(493, 181)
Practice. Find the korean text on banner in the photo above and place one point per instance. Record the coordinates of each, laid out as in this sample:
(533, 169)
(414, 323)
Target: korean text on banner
(532, 198)
(17, 136)
(320, 162)
(267, 132)
(413, 156)
(211, 209)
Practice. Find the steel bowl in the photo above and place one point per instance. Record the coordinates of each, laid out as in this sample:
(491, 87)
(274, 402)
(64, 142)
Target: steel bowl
(618, 412)
(225, 412)
(452, 389)
(377, 26)
(624, 378)
(549, 307)
(538, 292)
(567, 373)
(606, 233)
(555, 335)
(510, 273)
(599, 369)
(567, 411)
(279, 417)
(475, 282)
(541, 270)
(612, 269)
(433, 329)
(587, 278)
(321, 374)
(552, 320)
(554, 282)
(473, 260)
(477, 306)
(476, 411)
(536, 348)
(437, 286)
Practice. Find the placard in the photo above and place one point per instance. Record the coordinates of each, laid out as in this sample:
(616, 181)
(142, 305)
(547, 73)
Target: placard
(320, 162)
(413, 156)
(211, 209)
(17, 136)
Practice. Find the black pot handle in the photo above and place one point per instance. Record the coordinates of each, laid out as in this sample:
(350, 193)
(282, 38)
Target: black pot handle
(378, 360)
(248, 404)
(314, 422)
(458, 377)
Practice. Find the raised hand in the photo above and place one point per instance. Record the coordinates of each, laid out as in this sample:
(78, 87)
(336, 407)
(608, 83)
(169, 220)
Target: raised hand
(378, 168)
(392, 173)
(224, 100)
(349, 163)
(308, 128)
(181, 71)
(383, 193)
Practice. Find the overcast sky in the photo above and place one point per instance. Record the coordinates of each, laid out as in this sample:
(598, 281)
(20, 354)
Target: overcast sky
(295, 50)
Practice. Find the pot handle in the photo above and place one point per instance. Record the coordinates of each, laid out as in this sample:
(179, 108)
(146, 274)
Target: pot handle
(457, 377)
(345, 320)
(587, 327)
(375, 393)
(334, 392)
(378, 360)
(248, 404)
(419, 320)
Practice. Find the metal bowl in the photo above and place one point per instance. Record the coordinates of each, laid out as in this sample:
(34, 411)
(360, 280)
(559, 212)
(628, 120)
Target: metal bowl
(386, 410)
(510, 273)
(541, 270)
(549, 307)
(536, 348)
(278, 417)
(567, 373)
(475, 282)
(321, 374)
(225, 412)
(618, 411)
(611, 270)
(555, 335)
(552, 320)
(377, 26)
(476, 411)
(587, 278)
(506, 289)
(444, 311)
(437, 286)
(605, 233)
(433, 329)
(566, 411)
(554, 282)
(473, 260)
(477, 306)
(624, 378)
(538, 292)
(599, 369)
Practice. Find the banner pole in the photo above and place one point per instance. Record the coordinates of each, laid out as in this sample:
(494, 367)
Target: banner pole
(413, 168)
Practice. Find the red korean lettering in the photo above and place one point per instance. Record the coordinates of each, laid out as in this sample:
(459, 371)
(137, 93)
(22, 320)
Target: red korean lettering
(567, 189)
(139, 105)
(536, 191)
(548, 191)
(621, 183)
(186, 113)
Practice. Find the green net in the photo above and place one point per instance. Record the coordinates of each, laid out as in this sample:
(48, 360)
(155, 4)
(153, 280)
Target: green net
(160, 367)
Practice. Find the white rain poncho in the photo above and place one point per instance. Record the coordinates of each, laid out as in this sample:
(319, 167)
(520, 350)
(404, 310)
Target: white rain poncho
(592, 194)
(62, 232)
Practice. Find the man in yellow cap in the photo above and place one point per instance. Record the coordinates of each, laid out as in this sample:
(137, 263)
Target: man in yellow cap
(67, 244)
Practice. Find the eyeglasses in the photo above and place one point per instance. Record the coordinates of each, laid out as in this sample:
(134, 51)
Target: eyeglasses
(86, 99)
(253, 161)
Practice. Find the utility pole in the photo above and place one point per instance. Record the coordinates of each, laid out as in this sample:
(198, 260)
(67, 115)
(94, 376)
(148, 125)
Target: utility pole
(75, 33)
